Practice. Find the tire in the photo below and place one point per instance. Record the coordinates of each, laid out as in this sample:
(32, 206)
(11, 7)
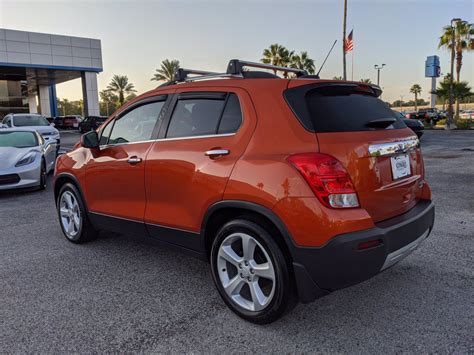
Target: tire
(73, 217)
(43, 176)
(235, 274)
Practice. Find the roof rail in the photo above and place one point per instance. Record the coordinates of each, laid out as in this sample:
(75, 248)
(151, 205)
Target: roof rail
(182, 74)
(236, 67)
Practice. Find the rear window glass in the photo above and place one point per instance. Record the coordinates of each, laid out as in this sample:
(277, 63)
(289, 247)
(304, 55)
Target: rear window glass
(32, 121)
(342, 109)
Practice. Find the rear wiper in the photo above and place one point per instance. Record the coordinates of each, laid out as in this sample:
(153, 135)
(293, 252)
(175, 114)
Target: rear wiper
(381, 122)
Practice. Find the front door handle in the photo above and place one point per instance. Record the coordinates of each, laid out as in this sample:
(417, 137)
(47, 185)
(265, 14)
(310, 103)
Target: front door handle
(214, 153)
(134, 160)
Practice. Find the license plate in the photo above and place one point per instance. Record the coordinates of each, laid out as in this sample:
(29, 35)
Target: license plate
(400, 166)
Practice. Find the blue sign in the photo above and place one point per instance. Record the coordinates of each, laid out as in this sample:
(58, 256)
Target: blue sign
(432, 67)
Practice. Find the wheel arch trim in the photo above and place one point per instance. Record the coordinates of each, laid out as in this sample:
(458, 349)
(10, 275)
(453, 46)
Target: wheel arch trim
(252, 207)
(75, 180)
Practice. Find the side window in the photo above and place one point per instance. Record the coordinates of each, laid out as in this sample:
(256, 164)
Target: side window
(195, 117)
(232, 116)
(8, 122)
(104, 137)
(136, 125)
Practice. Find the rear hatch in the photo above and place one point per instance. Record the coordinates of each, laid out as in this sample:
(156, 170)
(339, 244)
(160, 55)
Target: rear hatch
(379, 152)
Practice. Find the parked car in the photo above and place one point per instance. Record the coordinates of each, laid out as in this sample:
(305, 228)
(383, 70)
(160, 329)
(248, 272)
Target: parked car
(415, 125)
(291, 187)
(411, 115)
(431, 115)
(91, 123)
(68, 122)
(38, 122)
(466, 114)
(25, 158)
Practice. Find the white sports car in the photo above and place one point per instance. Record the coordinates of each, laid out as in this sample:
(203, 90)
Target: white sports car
(25, 158)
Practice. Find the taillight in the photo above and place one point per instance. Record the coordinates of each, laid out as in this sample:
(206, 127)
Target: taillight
(328, 179)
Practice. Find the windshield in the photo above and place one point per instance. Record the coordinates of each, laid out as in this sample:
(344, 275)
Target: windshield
(28, 120)
(18, 139)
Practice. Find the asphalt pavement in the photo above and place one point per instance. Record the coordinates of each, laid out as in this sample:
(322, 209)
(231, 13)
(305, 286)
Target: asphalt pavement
(125, 294)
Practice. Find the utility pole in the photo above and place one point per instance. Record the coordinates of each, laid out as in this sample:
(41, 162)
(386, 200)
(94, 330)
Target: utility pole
(344, 73)
(378, 68)
(401, 101)
(450, 119)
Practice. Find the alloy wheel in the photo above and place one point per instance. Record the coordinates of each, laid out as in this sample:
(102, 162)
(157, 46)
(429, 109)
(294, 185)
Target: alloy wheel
(246, 272)
(70, 213)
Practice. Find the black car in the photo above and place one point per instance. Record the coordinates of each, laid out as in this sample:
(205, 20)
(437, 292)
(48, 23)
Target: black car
(91, 123)
(414, 124)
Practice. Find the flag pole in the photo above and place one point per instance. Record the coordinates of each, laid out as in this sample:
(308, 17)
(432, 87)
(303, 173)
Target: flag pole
(352, 74)
(344, 41)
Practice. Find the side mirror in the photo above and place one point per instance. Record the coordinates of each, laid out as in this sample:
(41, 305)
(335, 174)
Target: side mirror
(90, 140)
(52, 124)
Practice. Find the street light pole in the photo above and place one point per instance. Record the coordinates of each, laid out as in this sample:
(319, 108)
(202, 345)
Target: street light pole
(450, 119)
(378, 68)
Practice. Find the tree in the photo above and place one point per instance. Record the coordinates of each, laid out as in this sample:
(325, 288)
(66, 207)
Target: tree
(337, 78)
(277, 55)
(108, 100)
(461, 90)
(416, 90)
(120, 86)
(166, 71)
(463, 33)
(367, 81)
(303, 61)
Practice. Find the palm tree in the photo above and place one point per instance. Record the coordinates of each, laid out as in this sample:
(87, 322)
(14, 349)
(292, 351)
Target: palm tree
(367, 81)
(120, 86)
(277, 55)
(463, 33)
(416, 89)
(461, 90)
(108, 99)
(303, 61)
(166, 71)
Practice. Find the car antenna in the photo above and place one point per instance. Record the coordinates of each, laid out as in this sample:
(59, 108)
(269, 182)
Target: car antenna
(322, 65)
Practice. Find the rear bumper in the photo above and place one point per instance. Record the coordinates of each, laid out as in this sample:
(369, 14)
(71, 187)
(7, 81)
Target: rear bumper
(340, 264)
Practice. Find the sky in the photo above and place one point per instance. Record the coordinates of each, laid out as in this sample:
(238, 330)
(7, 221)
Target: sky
(137, 35)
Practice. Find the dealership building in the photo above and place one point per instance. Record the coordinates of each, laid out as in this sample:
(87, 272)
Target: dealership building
(31, 64)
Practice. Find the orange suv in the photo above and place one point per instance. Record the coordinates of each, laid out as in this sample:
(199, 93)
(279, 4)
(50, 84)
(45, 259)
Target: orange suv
(291, 187)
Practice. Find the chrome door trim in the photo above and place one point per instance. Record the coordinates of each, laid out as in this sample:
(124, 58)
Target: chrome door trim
(169, 139)
(392, 148)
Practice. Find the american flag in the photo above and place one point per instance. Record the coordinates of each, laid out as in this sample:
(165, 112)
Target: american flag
(349, 44)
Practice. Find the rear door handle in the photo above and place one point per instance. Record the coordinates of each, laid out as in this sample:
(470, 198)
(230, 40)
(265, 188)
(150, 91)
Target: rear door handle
(134, 160)
(214, 153)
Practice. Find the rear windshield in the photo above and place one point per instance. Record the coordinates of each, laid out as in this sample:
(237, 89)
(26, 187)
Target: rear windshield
(34, 121)
(18, 139)
(341, 109)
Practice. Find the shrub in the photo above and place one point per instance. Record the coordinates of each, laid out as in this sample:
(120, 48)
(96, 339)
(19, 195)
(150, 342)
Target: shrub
(464, 124)
(441, 122)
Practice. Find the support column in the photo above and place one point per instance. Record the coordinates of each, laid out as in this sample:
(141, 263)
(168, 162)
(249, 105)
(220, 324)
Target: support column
(90, 94)
(53, 101)
(433, 88)
(32, 103)
(44, 100)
